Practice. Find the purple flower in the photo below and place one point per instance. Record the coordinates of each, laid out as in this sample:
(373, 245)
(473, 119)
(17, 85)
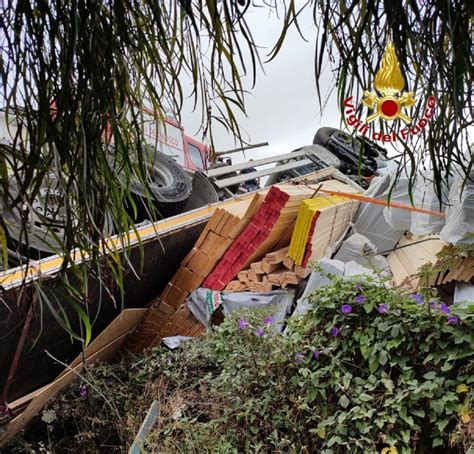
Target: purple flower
(83, 391)
(243, 324)
(268, 321)
(316, 354)
(335, 331)
(259, 332)
(417, 297)
(299, 357)
(358, 286)
(346, 309)
(383, 308)
(359, 299)
(445, 308)
(452, 320)
(433, 304)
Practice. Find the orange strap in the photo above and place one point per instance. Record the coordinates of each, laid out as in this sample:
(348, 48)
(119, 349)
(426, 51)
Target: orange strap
(401, 206)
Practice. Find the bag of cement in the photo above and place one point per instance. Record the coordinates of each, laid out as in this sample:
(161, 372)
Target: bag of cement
(204, 302)
(357, 248)
(425, 197)
(396, 218)
(459, 226)
(370, 220)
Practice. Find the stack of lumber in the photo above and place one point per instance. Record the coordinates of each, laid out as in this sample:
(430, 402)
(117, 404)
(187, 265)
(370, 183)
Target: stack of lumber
(168, 315)
(275, 270)
(273, 221)
(321, 222)
(409, 260)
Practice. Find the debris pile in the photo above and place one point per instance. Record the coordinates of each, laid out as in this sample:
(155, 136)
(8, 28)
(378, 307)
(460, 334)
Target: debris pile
(277, 246)
(273, 241)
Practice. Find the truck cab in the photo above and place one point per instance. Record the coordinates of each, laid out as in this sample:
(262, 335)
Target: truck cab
(169, 139)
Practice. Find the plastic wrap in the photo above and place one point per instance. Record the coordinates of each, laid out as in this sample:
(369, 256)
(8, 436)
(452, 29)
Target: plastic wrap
(396, 218)
(370, 220)
(173, 342)
(463, 294)
(317, 280)
(356, 247)
(425, 197)
(459, 226)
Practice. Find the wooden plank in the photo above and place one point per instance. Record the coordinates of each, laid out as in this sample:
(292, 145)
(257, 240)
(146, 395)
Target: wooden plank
(269, 267)
(97, 351)
(126, 321)
(276, 278)
(276, 256)
(257, 267)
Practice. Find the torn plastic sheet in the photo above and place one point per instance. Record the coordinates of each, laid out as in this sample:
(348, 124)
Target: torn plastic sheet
(173, 342)
(319, 279)
(278, 300)
(370, 220)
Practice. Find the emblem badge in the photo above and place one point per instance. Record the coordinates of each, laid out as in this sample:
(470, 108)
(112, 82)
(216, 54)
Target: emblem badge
(388, 83)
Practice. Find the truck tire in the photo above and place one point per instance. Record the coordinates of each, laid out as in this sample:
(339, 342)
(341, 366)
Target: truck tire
(323, 135)
(168, 182)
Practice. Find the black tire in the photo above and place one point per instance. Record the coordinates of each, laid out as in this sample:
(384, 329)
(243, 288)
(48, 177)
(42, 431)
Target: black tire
(168, 181)
(323, 135)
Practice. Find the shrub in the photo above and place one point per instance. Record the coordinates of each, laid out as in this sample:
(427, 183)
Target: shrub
(367, 369)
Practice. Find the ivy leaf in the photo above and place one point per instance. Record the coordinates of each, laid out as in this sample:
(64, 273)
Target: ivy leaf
(373, 365)
(430, 375)
(344, 401)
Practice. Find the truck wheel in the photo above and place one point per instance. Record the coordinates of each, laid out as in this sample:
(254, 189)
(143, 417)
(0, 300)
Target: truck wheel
(168, 182)
(323, 135)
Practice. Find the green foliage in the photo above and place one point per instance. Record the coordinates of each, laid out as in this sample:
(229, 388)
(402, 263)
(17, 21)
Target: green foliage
(397, 374)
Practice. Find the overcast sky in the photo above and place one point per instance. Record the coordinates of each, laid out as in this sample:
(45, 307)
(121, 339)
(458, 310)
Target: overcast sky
(283, 107)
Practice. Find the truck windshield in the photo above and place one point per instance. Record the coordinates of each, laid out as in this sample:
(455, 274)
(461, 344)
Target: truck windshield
(195, 156)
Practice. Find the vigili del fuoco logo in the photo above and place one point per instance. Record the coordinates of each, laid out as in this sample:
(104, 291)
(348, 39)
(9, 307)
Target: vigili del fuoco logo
(389, 102)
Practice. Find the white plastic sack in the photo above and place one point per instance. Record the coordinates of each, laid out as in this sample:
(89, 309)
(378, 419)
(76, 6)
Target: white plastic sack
(459, 227)
(200, 303)
(355, 247)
